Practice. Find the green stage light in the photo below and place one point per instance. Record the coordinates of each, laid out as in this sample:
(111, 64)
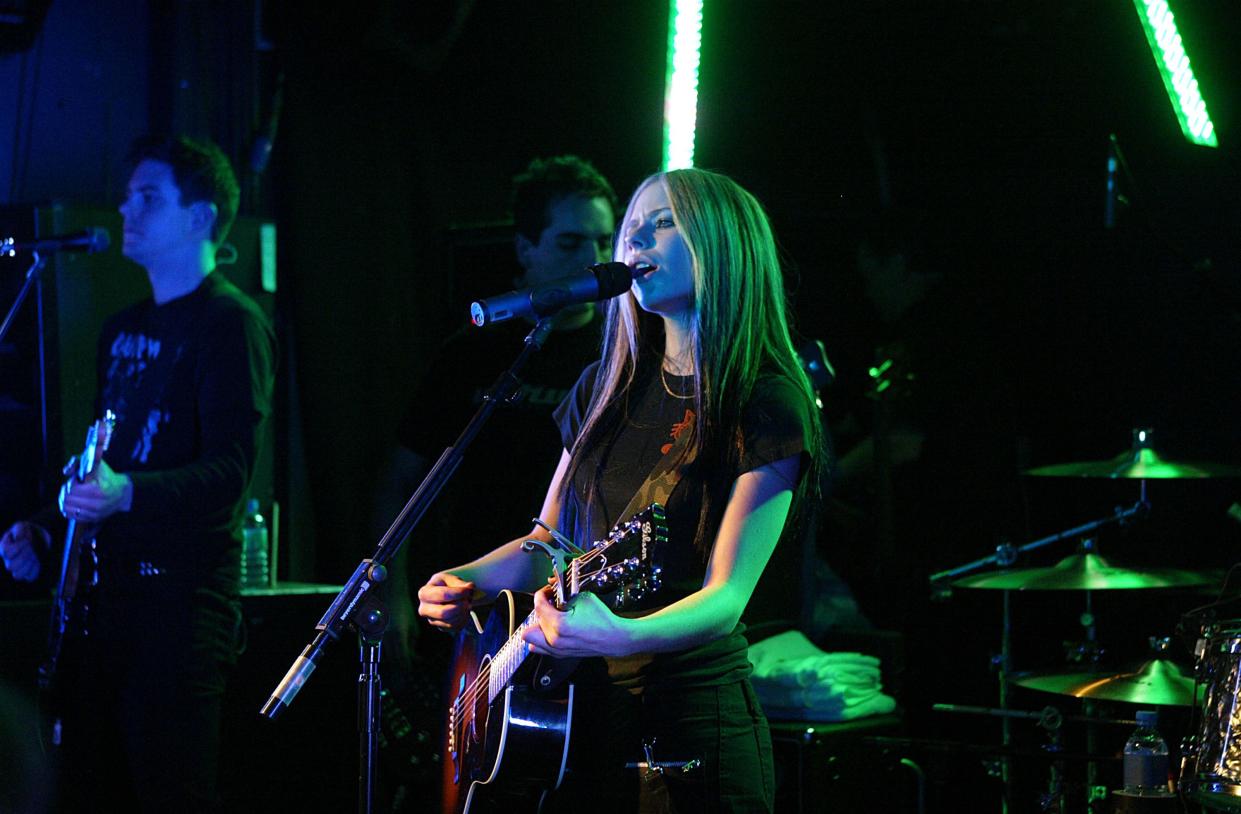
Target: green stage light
(1174, 67)
(681, 88)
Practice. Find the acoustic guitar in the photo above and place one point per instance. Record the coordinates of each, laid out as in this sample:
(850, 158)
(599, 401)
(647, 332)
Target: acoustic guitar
(510, 717)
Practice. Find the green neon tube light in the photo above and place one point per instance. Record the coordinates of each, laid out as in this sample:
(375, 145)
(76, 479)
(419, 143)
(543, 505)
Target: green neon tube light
(1174, 67)
(681, 87)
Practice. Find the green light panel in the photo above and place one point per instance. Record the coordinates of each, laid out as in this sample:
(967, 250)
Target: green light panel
(1178, 76)
(681, 88)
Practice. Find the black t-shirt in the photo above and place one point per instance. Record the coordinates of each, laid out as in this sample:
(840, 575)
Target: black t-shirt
(775, 424)
(190, 382)
(501, 482)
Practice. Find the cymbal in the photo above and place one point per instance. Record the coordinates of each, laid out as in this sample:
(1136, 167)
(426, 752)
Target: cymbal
(1157, 681)
(1142, 462)
(1085, 572)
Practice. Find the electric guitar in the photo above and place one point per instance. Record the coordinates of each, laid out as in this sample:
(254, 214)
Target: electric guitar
(509, 719)
(66, 610)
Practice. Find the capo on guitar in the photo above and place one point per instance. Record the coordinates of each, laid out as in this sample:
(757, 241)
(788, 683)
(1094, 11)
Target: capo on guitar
(557, 559)
(563, 543)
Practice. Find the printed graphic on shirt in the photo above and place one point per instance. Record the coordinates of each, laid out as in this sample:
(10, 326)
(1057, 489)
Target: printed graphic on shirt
(131, 355)
(134, 387)
(142, 449)
(678, 428)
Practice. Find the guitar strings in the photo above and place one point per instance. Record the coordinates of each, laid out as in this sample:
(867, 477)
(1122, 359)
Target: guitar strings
(474, 690)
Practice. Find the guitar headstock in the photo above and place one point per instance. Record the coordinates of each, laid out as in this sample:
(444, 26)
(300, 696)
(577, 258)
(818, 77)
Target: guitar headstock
(98, 438)
(623, 567)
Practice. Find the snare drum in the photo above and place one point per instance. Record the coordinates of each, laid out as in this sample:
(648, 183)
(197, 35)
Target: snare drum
(1211, 774)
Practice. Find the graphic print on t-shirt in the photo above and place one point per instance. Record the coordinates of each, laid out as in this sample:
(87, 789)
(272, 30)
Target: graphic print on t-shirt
(678, 428)
(129, 390)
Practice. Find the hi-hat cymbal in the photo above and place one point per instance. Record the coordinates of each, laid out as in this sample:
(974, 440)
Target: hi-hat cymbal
(1157, 681)
(1086, 572)
(1142, 462)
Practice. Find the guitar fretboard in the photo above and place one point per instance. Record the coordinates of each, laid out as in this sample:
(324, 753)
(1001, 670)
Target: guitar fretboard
(507, 659)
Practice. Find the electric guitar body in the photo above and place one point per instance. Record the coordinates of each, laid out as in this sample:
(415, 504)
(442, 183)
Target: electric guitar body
(68, 611)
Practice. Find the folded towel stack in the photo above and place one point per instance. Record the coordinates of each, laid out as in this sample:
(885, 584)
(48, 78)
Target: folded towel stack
(797, 681)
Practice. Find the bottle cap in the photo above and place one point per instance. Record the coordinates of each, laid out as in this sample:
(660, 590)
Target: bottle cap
(252, 505)
(1148, 717)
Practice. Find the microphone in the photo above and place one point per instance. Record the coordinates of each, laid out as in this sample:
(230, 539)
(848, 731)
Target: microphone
(94, 239)
(598, 282)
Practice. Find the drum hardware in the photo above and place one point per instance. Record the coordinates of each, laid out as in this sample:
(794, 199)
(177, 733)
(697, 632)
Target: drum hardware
(1050, 720)
(1006, 555)
(1156, 681)
(1211, 759)
(1080, 571)
(1140, 462)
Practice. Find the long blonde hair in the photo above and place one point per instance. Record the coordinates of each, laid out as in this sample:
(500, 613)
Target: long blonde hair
(739, 329)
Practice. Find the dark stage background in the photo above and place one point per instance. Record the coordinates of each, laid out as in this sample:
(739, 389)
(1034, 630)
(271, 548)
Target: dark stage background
(979, 128)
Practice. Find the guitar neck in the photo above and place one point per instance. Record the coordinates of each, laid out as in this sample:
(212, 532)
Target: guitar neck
(511, 655)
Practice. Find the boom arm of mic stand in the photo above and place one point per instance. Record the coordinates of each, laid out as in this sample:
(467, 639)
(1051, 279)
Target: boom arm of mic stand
(373, 570)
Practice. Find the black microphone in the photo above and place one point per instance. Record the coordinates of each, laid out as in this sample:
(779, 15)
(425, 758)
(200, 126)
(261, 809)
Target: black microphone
(599, 282)
(94, 239)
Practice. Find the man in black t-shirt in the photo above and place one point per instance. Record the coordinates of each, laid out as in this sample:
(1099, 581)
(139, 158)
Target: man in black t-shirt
(188, 374)
(563, 214)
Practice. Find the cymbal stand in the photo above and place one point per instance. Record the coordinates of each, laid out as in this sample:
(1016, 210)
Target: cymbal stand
(1089, 653)
(1050, 720)
(1003, 668)
(1005, 555)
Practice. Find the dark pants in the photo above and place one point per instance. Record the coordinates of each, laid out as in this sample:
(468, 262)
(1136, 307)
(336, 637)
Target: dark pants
(721, 727)
(143, 694)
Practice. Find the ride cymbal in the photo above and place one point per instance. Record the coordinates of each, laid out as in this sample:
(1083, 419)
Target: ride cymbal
(1086, 572)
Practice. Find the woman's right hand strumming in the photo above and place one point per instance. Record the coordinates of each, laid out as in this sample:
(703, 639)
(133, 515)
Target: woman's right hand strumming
(445, 601)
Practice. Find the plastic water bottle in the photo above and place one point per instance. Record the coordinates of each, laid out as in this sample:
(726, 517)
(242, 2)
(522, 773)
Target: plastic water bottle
(254, 562)
(1146, 758)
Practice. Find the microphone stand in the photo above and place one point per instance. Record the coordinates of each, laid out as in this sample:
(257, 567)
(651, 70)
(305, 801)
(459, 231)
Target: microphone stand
(32, 279)
(358, 607)
(32, 274)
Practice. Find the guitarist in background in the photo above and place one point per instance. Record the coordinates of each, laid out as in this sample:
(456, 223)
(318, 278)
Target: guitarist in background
(188, 373)
(699, 345)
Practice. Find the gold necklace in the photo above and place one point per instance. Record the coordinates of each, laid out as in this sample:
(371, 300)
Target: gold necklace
(668, 389)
